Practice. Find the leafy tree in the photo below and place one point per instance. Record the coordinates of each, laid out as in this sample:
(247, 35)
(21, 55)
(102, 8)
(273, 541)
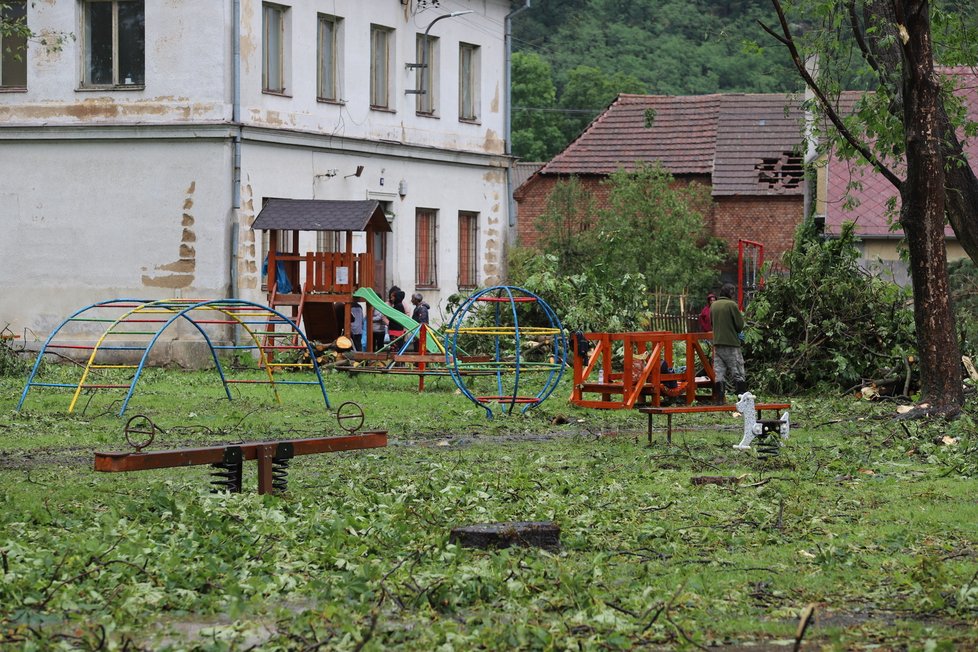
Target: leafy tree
(906, 133)
(585, 301)
(826, 321)
(536, 124)
(563, 225)
(656, 227)
(652, 235)
(14, 32)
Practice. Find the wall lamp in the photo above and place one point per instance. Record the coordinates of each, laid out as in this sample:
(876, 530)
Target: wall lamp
(355, 174)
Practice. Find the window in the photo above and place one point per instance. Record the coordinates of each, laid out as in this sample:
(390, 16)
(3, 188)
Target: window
(13, 46)
(427, 75)
(115, 43)
(329, 63)
(425, 248)
(468, 242)
(468, 82)
(275, 42)
(328, 241)
(380, 67)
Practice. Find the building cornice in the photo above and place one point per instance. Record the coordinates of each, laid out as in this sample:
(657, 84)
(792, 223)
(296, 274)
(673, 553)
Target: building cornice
(266, 135)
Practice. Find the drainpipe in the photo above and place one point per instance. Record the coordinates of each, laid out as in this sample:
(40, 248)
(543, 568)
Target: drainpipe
(508, 101)
(235, 151)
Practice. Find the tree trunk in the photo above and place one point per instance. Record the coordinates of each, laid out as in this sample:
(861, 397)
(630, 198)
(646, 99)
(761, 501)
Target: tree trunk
(922, 214)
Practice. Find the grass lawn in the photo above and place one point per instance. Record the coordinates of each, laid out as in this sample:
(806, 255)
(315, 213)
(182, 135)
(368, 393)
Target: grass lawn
(871, 520)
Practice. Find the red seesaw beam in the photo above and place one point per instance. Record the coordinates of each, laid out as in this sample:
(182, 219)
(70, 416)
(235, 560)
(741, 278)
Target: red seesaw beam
(261, 451)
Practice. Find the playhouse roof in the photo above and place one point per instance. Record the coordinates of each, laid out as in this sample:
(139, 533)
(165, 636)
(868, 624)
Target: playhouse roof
(321, 215)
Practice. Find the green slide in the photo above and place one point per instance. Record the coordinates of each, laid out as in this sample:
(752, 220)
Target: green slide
(371, 297)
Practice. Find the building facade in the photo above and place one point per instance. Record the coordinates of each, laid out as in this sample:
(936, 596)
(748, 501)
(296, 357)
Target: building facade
(139, 140)
(747, 149)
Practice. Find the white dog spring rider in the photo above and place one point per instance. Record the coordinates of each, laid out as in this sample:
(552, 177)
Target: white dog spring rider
(766, 432)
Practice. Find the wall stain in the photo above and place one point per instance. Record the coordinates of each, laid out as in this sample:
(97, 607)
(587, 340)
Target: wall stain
(493, 143)
(173, 108)
(495, 176)
(181, 271)
(494, 104)
(248, 272)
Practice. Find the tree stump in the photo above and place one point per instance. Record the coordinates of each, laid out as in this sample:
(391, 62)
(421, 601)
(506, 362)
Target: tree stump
(714, 479)
(539, 534)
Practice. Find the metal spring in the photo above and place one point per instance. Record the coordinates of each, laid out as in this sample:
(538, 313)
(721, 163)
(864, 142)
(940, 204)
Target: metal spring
(280, 473)
(226, 476)
(768, 445)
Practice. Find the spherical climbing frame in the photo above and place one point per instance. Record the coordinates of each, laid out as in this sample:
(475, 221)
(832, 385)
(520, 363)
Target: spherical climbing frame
(141, 323)
(507, 298)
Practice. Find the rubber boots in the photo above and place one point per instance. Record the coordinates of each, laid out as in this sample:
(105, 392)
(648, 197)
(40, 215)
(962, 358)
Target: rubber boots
(741, 387)
(717, 393)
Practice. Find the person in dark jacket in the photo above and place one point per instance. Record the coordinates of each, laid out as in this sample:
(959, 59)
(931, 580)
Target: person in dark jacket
(728, 359)
(395, 298)
(421, 308)
(419, 315)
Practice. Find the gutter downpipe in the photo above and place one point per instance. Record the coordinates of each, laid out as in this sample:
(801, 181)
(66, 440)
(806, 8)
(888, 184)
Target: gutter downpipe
(508, 127)
(236, 150)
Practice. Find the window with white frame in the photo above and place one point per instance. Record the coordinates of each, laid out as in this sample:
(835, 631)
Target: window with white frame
(381, 51)
(426, 248)
(13, 45)
(468, 82)
(114, 43)
(275, 48)
(427, 75)
(468, 247)
(329, 64)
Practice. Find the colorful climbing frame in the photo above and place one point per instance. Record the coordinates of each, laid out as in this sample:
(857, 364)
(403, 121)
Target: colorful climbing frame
(119, 334)
(509, 318)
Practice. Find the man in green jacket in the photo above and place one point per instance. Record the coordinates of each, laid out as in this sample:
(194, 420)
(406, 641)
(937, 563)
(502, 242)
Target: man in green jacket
(728, 324)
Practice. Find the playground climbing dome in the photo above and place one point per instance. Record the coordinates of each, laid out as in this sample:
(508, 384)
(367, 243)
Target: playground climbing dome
(113, 340)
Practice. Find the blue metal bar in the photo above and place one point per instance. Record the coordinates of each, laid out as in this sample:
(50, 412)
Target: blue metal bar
(41, 351)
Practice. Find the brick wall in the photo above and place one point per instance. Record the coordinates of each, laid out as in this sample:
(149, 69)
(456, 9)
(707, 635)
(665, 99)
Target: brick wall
(770, 220)
(531, 201)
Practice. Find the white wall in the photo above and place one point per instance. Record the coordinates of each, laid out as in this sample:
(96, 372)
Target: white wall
(87, 221)
(128, 193)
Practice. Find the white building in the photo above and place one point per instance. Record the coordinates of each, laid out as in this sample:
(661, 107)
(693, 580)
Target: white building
(135, 156)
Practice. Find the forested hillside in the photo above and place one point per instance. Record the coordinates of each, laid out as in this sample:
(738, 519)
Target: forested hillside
(573, 56)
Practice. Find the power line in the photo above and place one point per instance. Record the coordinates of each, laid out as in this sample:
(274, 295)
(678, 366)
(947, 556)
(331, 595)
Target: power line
(548, 110)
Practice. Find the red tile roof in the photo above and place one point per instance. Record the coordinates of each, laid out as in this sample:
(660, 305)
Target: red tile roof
(866, 203)
(745, 142)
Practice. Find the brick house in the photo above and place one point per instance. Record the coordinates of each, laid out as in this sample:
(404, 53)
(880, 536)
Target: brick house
(847, 192)
(747, 148)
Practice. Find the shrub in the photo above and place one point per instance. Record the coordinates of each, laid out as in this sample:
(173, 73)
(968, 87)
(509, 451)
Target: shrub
(826, 321)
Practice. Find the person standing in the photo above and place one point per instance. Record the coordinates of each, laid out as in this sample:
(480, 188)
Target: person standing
(378, 330)
(706, 324)
(356, 325)
(421, 308)
(728, 359)
(420, 315)
(395, 299)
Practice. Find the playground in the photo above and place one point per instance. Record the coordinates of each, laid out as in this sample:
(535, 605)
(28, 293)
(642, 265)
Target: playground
(356, 555)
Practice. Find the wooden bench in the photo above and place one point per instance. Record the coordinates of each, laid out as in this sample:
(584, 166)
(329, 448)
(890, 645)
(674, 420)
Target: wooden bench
(688, 409)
